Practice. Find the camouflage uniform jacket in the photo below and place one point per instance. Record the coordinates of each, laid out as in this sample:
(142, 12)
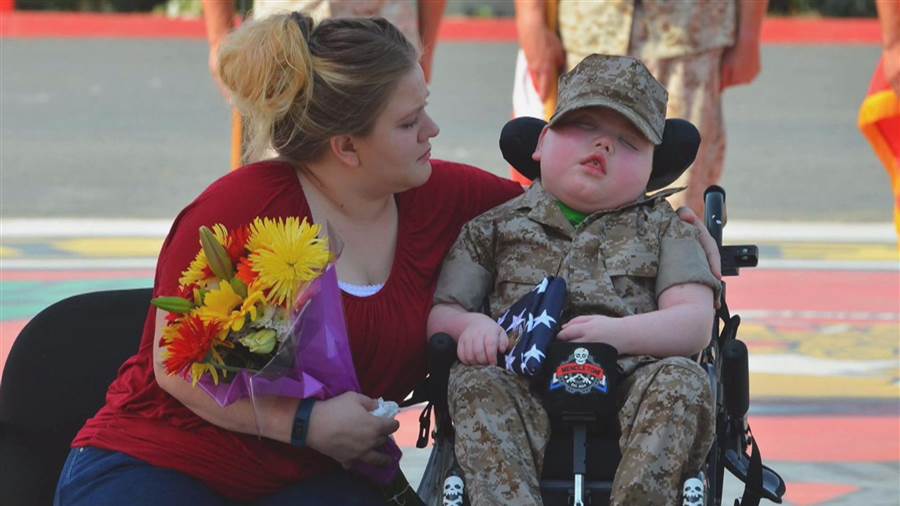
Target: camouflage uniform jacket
(404, 14)
(615, 263)
(668, 28)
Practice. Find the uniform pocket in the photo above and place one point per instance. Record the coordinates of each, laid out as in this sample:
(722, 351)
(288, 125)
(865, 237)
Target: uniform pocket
(641, 263)
(513, 282)
(633, 273)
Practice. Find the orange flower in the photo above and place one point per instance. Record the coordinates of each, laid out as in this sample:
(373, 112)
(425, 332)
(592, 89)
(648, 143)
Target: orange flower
(191, 344)
(237, 241)
(245, 271)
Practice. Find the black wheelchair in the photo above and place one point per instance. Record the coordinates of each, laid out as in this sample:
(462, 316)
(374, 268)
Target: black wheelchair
(62, 362)
(579, 464)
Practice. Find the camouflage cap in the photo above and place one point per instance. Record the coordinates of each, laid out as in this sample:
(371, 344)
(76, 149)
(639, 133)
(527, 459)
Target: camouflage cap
(621, 83)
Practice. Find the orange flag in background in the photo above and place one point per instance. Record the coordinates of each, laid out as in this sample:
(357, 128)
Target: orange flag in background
(879, 121)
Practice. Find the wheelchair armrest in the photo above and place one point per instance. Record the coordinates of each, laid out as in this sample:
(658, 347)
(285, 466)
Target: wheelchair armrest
(737, 256)
(441, 356)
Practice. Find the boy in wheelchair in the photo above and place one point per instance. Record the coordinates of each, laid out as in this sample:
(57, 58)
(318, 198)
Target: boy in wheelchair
(637, 278)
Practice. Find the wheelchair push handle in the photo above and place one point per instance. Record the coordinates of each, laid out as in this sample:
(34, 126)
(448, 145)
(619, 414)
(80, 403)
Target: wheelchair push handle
(733, 257)
(716, 216)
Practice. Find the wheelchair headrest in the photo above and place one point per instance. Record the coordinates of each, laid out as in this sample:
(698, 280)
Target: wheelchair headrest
(671, 158)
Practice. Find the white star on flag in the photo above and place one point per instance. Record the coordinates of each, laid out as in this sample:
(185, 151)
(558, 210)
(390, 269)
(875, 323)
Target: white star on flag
(510, 359)
(533, 353)
(530, 325)
(543, 319)
(542, 287)
(522, 366)
(500, 320)
(516, 320)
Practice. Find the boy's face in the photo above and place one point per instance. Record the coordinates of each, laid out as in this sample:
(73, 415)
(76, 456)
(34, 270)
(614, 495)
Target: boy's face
(594, 159)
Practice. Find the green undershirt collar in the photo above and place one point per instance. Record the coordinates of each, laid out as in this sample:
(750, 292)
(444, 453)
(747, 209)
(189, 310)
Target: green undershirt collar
(574, 217)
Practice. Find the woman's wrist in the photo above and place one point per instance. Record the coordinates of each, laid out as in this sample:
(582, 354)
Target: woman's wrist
(300, 426)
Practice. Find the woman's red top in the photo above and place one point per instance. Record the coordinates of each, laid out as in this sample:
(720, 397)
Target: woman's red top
(387, 330)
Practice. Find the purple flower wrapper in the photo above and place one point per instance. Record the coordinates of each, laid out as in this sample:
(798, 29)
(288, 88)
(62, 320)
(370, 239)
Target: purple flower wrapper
(314, 362)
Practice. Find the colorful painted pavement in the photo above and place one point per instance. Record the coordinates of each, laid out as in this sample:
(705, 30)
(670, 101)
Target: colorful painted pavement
(822, 321)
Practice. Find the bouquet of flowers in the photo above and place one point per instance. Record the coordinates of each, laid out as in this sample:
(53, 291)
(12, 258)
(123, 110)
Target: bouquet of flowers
(235, 302)
(258, 312)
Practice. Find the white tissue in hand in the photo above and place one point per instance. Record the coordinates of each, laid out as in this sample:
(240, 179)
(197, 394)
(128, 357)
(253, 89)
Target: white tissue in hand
(386, 409)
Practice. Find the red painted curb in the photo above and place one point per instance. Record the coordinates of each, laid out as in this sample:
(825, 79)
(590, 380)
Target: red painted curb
(808, 494)
(50, 276)
(29, 25)
(838, 439)
(809, 290)
(59, 25)
(821, 31)
(9, 330)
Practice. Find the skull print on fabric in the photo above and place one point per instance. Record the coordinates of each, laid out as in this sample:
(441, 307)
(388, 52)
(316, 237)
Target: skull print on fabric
(693, 492)
(454, 491)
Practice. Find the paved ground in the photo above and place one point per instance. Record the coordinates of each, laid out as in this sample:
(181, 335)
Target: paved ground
(134, 129)
(820, 320)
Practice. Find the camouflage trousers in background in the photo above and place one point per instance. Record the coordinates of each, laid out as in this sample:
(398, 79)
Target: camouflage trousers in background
(667, 427)
(693, 84)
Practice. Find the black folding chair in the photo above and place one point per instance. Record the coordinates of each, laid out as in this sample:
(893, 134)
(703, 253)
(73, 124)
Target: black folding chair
(55, 378)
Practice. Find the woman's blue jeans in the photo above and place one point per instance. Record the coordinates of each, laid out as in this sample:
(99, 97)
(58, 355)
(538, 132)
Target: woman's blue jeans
(93, 477)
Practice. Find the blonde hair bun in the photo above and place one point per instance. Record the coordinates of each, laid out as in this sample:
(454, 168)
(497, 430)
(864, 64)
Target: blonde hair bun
(269, 70)
(298, 85)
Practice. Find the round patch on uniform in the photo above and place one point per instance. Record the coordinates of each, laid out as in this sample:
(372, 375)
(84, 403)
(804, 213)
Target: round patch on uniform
(579, 374)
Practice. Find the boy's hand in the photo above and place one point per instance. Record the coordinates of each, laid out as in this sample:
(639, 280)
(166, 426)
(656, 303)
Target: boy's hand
(481, 340)
(593, 329)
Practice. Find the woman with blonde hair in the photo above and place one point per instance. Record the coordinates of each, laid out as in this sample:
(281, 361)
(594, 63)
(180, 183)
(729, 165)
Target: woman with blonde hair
(342, 104)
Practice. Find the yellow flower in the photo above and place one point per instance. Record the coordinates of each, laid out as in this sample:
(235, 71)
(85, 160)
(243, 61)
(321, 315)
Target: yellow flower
(226, 307)
(199, 269)
(212, 365)
(219, 306)
(286, 254)
(170, 333)
(255, 297)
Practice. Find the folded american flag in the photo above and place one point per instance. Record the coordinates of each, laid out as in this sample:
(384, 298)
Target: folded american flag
(532, 323)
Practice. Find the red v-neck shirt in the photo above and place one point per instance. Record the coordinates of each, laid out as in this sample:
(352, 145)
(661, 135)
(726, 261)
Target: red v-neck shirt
(387, 329)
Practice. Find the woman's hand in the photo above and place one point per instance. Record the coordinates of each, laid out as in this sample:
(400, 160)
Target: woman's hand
(481, 340)
(546, 60)
(706, 240)
(343, 429)
(741, 63)
(542, 47)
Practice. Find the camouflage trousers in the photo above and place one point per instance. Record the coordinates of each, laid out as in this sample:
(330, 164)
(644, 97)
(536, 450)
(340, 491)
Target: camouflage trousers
(667, 427)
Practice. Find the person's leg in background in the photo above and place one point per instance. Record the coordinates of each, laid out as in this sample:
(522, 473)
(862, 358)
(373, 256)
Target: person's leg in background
(693, 84)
